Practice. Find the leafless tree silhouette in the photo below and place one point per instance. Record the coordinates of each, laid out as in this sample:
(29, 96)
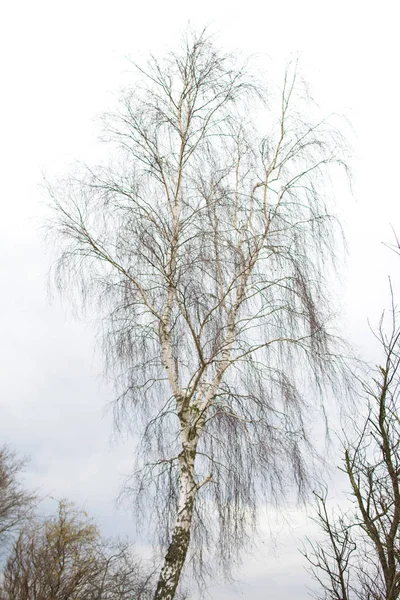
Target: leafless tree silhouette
(15, 502)
(64, 558)
(360, 554)
(208, 246)
(330, 559)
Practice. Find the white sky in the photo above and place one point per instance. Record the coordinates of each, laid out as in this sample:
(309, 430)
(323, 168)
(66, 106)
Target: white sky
(61, 63)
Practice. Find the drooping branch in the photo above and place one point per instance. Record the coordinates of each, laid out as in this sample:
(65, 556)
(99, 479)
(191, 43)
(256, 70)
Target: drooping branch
(205, 245)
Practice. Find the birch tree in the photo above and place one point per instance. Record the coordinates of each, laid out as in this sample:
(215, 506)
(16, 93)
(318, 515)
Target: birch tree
(206, 244)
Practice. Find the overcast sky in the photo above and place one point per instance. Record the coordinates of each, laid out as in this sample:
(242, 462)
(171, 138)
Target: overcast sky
(62, 64)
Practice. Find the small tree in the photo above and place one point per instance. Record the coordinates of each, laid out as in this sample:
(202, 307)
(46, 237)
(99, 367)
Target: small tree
(360, 556)
(207, 245)
(64, 558)
(53, 559)
(121, 576)
(330, 558)
(15, 502)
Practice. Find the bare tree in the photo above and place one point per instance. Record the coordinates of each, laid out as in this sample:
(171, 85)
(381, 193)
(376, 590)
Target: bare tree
(330, 558)
(52, 559)
(15, 502)
(207, 246)
(64, 558)
(121, 575)
(364, 549)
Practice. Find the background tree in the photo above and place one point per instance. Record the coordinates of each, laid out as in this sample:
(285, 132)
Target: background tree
(15, 502)
(64, 558)
(330, 558)
(207, 245)
(360, 554)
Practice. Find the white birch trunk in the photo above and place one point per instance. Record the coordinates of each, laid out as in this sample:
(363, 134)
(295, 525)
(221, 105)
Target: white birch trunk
(177, 550)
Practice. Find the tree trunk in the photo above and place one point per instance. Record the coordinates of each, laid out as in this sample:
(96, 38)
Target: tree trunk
(177, 550)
